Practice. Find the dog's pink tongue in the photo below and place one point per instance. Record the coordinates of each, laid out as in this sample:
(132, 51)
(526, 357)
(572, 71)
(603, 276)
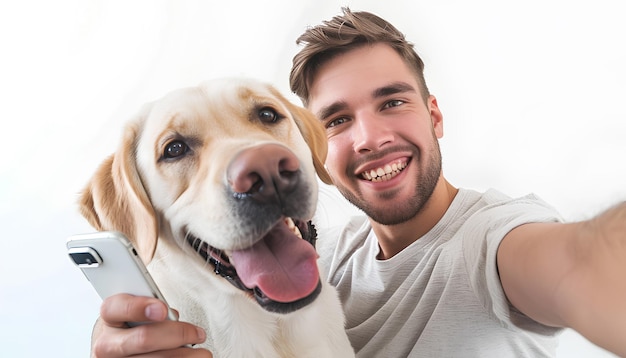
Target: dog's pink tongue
(282, 265)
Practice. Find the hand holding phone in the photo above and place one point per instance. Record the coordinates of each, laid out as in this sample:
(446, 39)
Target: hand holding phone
(110, 262)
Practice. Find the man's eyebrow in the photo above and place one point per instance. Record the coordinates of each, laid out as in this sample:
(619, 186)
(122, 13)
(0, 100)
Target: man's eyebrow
(396, 87)
(393, 88)
(331, 109)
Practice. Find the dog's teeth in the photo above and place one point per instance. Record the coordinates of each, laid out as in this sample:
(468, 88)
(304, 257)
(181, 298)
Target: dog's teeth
(291, 225)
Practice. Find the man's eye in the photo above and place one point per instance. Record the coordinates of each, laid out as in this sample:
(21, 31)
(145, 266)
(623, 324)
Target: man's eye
(175, 149)
(336, 122)
(393, 103)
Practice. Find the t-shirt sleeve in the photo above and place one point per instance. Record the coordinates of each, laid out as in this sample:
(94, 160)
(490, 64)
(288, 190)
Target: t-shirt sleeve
(482, 234)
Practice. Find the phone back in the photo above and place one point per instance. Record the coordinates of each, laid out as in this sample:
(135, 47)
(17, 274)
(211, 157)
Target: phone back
(111, 264)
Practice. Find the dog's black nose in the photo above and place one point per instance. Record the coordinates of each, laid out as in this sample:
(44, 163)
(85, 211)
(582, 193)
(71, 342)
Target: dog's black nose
(264, 172)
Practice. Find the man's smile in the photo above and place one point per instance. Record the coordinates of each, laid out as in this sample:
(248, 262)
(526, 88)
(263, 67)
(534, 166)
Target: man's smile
(385, 172)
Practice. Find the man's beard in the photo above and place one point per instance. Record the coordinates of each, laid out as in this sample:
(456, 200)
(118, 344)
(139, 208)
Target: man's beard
(406, 208)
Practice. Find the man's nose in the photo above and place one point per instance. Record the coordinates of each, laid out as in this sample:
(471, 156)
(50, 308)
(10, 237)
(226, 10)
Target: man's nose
(370, 133)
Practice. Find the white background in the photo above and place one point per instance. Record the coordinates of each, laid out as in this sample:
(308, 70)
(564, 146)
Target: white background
(532, 93)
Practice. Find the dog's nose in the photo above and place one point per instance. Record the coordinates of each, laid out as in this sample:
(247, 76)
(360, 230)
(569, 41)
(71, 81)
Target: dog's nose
(264, 172)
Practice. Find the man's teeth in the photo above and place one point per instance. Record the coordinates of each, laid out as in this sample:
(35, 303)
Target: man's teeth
(385, 173)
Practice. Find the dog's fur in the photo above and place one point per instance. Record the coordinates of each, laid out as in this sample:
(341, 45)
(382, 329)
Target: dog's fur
(192, 169)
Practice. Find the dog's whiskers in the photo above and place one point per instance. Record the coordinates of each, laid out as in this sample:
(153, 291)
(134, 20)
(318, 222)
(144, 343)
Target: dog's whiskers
(196, 245)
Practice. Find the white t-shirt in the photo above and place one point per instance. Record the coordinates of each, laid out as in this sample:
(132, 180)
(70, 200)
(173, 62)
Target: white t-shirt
(441, 296)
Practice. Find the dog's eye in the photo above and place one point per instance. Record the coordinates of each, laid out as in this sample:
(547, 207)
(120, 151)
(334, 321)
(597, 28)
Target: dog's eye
(175, 149)
(268, 115)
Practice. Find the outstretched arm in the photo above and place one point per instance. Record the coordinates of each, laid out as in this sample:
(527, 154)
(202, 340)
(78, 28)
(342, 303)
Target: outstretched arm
(571, 275)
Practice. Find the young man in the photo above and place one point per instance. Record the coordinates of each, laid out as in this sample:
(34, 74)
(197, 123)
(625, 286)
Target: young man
(432, 270)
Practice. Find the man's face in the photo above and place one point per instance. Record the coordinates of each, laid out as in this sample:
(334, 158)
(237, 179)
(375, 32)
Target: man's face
(383, 152)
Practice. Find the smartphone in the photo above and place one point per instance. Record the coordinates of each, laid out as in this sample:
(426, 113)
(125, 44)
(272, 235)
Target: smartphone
(111, 264)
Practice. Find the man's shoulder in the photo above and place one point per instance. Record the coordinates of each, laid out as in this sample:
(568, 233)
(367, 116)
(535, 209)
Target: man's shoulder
(336, 244)
(493, 198)
(331, 236)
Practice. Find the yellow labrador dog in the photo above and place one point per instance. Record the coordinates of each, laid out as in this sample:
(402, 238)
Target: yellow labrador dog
(215, 185)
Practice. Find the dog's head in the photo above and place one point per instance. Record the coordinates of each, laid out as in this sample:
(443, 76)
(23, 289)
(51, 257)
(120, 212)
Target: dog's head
(226, 167)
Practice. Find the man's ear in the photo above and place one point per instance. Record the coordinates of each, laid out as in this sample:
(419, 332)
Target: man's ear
(115, 199)
(435, 116)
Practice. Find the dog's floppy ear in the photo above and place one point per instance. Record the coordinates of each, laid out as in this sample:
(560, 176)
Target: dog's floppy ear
(314, 135)
(115, 199)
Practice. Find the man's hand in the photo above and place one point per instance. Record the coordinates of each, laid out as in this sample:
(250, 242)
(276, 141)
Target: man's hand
(162, 338)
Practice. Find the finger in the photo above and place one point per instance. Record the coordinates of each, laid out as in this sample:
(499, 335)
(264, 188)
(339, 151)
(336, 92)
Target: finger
(167, 336)
(179, 352)
(116, 310)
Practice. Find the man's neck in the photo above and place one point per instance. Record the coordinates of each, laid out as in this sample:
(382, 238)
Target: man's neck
(394, 238)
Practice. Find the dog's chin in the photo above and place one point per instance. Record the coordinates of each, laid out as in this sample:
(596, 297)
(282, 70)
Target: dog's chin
(222, 265)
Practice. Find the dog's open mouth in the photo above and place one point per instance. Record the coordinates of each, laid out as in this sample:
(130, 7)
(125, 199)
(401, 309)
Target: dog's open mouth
(279, 270)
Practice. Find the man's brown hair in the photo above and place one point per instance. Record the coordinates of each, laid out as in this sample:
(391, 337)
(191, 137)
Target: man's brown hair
(341, 34)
